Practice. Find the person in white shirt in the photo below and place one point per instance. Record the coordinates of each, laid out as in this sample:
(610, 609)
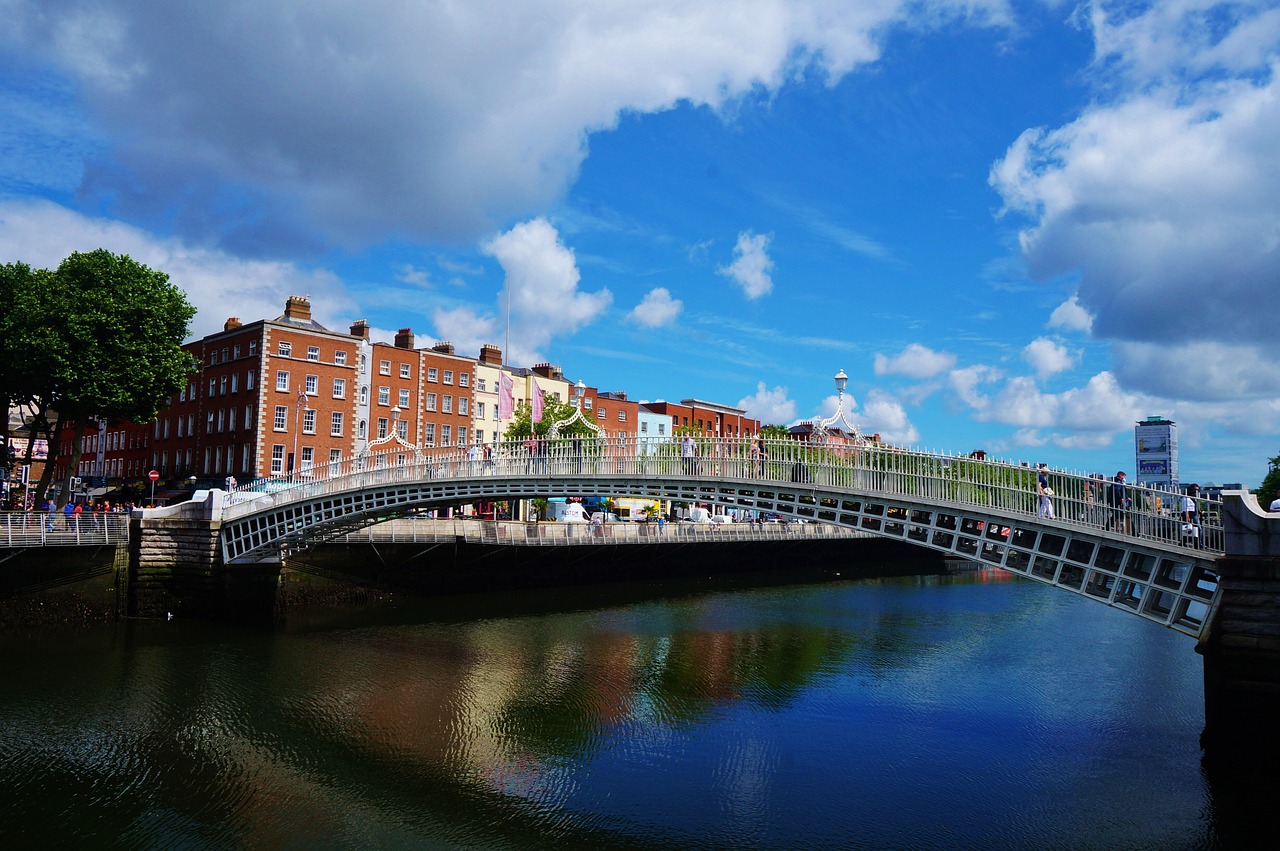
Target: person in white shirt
(1275, 504)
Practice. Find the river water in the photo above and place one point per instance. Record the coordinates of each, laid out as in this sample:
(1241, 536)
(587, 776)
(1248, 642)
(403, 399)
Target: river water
(972, 710)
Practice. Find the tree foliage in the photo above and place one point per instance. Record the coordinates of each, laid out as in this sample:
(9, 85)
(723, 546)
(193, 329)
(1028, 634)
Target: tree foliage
(1270, 487)
(553, 411)
(98, 338)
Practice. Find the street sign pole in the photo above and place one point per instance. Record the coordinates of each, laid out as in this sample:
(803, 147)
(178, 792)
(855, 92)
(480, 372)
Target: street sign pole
(154, 475)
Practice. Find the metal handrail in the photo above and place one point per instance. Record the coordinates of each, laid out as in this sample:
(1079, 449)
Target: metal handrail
(43, 529)
(1079, 500)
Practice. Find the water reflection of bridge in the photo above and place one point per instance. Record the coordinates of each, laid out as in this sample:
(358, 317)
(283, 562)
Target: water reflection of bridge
(1133, 557)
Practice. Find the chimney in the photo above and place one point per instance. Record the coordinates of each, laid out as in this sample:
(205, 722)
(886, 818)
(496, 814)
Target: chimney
(404, 339)
(233, 322)
(360, 329)
(444, 347)
(546, 370)
(298, 308)
(491, 354)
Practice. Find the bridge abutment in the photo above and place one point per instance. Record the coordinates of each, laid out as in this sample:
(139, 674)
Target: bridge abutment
(1241, 649)
(176, 568)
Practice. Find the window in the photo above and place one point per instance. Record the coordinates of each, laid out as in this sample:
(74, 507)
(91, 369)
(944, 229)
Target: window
(480, 436)
(224, 355)
(364, 395)
(180, 423)
(235, 350)
(404, 399)
(309, 421)
(282, 380)
(335, 455)
(308, 458)
(480, 384)
(384, 395)
(446, 404)
(402, 429)
(479, 410)
(587, 402)
(622, 416)
(429, 434)
(313, 385)
(644, 427)
(600, 414)
(462, 405)
(281, 421)
(431, 401)
(277, 459)
(222, 421)
(464, 379)
(382, 427)
(284, 349)
(662, 428)
(213, 358)
(253, 348)
(235, 382)
(448, 376)
(384, 367)
(213, 386)
(313, 353)
(404, 370)
(182, 397)
(433, 374)
(340, 358)
(248, 417)
(222, 386)
(208, 423)
(335, 426)
(339, 388)
(361, 430)
(462, 435)
(446, 432)
(248, 380)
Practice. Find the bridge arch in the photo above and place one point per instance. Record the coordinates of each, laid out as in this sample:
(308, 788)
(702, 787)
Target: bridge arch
(919, 498)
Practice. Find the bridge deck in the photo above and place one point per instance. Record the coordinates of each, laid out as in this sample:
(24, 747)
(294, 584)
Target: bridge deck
(21, 529)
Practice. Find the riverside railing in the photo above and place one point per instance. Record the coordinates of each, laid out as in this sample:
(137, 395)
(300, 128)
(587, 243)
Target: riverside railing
(1129, 511)
(39, 529)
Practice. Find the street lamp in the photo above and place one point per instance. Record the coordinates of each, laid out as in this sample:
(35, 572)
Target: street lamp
(824, 426)
(297, 427)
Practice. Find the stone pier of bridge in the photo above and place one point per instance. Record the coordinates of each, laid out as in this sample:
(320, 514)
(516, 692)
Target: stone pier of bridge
(1241, 647)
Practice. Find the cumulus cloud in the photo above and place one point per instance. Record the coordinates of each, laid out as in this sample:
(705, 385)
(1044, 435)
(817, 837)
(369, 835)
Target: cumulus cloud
(434, 120)
(1197, 371)
(657, 308)
(751, 266)
(769, 406)
(1071, 316)
(884, 415)
(915, 361)
(542, 282)
(42, 234)
(1163, 196)
(1048, 357)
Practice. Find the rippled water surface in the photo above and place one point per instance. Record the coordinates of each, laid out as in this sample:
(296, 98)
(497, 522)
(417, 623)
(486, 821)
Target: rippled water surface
(965, 711)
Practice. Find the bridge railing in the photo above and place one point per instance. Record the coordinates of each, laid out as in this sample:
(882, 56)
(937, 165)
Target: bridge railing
(39, 529)
(1078, 499)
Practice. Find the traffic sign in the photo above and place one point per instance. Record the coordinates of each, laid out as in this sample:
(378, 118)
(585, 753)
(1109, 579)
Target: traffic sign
(154, 475)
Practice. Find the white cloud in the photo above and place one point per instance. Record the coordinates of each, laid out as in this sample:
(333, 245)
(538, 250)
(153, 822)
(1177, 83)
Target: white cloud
(434, 120)
(1163, 196)
(545, 302)
(915, 361)
(751, 265)
(1048, 357)
(1071, 316)
(657, 308)
(770, 407)
(42, 234)
(882, 414)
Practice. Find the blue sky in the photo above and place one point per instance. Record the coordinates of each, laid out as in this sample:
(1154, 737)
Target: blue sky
(1019, 227)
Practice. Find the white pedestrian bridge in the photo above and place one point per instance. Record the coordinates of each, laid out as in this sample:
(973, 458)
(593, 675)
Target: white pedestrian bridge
(1138, 557)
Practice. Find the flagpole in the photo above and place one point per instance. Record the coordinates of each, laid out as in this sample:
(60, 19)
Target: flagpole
(506, 345)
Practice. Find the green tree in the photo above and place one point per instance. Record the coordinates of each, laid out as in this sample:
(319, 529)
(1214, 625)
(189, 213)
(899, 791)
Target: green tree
(99, 338)
(775, 432)
(1270, 487)
(553, 411)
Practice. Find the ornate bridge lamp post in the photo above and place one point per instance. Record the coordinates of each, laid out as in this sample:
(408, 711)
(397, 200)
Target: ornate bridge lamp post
(392, 437)
(579, 391)
(823, 427)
